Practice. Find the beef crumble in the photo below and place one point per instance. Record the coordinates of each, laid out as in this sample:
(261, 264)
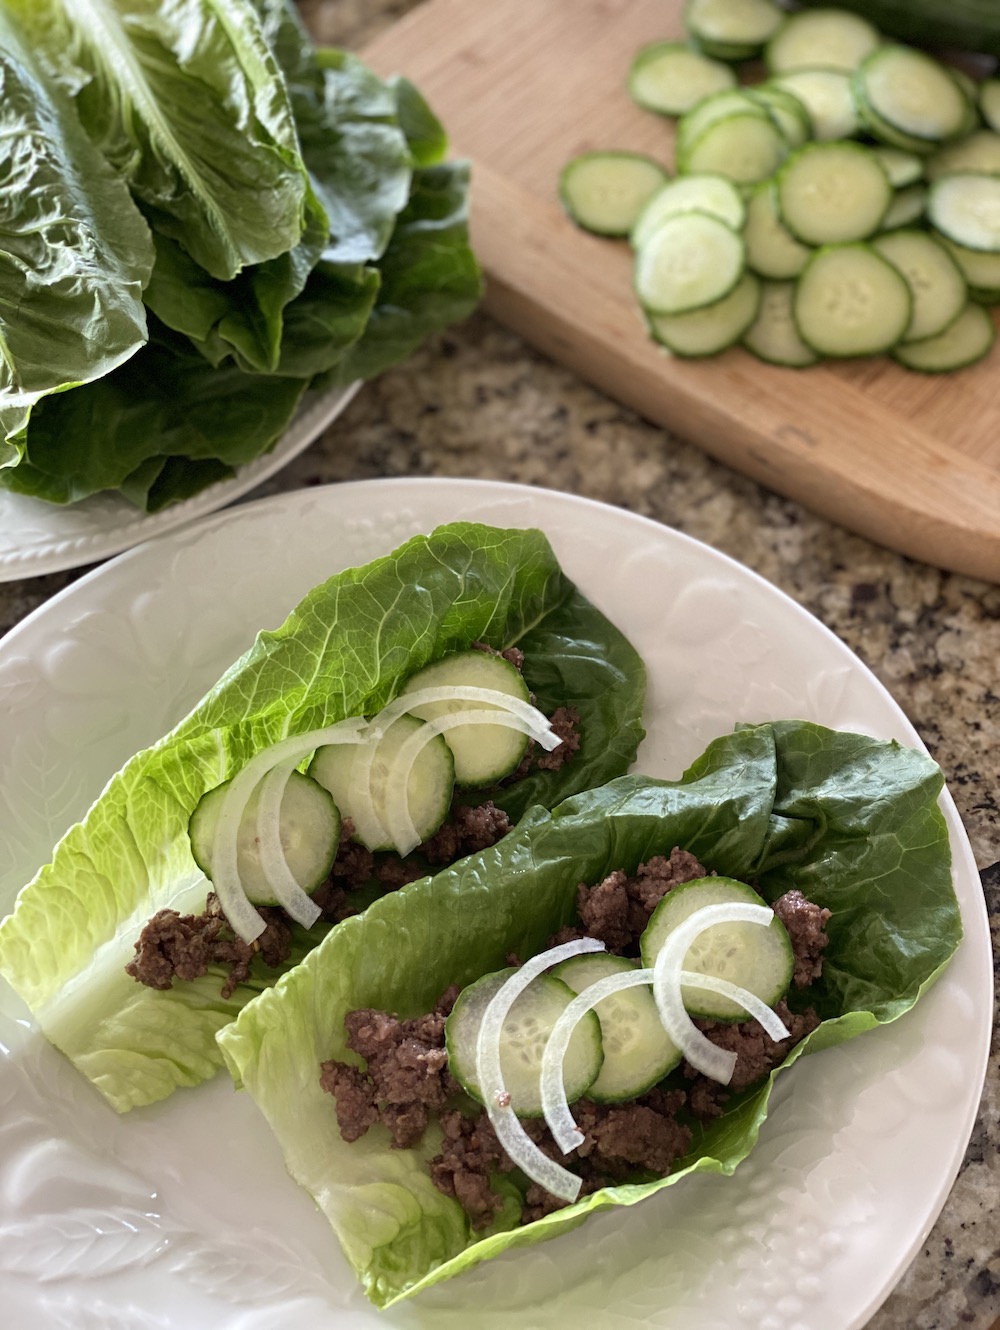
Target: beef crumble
(183, 946)
(407, 1078)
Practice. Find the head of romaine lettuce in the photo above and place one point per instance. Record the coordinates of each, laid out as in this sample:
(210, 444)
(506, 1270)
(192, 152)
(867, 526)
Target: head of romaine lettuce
(345, 650)
(853, 822)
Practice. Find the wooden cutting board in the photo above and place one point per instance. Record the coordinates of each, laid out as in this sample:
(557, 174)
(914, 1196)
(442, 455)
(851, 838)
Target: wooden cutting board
(910, 460)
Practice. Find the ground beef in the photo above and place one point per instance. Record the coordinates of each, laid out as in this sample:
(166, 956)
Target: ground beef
(805, 923)
(617, 910)
(512, 654)
(406, 1077)
(470, 1154)
(183, 946)
(564, 720)
(756, 1055)
(467, 831)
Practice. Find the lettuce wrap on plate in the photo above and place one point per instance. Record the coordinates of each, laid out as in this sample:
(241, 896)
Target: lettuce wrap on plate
(345, 651)
(850, 822)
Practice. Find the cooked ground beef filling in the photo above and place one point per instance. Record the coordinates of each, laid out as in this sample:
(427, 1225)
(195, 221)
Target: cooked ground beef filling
(406, 1080)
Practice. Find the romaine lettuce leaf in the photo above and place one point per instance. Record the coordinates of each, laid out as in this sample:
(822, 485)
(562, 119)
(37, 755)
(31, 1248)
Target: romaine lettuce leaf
(850, 820)
(345, 650)
(187, 102)
(75, 253)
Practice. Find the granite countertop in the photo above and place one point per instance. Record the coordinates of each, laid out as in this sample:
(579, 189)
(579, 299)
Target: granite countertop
(478, 402)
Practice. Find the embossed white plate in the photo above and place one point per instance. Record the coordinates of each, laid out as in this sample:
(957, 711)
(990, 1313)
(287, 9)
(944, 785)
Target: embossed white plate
(37, 537)
(180, 1217)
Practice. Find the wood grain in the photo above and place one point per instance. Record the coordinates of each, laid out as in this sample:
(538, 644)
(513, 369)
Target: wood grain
(912, 461)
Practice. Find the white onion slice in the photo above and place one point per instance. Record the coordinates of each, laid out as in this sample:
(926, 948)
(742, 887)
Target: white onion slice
(368, 826)
(402, 832)
(756, 1007)
(511, 1135)
(541, 731)
(700, 1052)
(555, 1106)
(244, 920)
(273, 863)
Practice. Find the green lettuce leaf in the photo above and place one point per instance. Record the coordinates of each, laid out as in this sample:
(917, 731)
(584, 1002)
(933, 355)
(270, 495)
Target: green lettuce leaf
(75, 253)
(345, 650)
(187, 102)
(850, 820)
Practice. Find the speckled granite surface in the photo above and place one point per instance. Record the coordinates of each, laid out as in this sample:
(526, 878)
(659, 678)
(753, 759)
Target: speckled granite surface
(478, 402)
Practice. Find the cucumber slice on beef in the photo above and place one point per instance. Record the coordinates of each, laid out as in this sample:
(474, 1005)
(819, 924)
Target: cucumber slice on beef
(670, 78)
(936, 284)
(907, 206)
(773, 335)
(753, 957)
(745, 147)
(309, 830)
(522, 1040)
(826, 95)
(968, 339)
(712, 194)
(850, 301)
(638, 1052)
(732, 29)
(966, 208)
(706, 332)
(832, 193)
(813, 38)
(430, 787)
(912, 93)
(772, 250)
(483, 754)
(687, 263)
(605, 192)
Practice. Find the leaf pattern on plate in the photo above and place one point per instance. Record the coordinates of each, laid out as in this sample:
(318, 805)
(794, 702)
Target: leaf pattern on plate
(258, 1269)
(72, 1314)
(83, 1243)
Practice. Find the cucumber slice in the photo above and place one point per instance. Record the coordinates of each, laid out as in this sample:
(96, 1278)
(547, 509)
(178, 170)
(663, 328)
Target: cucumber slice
(605, 192)
(814, 38)
(706, 332)
(935, 281)
(712, 194)
(902, 168)
(978, 152)
(906, 208)
(522, 1041)
(483, 754)
(831, 193)
(757, 959)
(737, 27)
(850, 301)
(430, 786)
(773, 336)
(638, 1052)
(786, 110)
(989, 102)
(826, 95)
(687, 263)
(912, 93)
(309, 829)
(744, 147)
(966, 208)
(772, 250)
(981, 271)
(719, 106)
(670, 78)
(967, 340)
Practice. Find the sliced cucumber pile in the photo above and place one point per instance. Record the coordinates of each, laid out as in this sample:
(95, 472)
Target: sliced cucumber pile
(850, 140)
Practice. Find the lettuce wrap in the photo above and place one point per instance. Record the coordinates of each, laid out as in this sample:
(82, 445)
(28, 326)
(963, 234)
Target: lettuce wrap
(850, 821)
(345, 650)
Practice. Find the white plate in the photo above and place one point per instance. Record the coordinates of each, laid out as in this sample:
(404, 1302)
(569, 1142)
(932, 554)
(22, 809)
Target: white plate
(37, 537)
(181, 1215)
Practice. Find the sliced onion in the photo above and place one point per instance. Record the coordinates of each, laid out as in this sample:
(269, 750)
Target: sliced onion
(368, 826)
(756, 1007)
(515, 1140)
(279, 876)
(699, 1051)
(402, 832)
(555, 1106)
(540, 730)
(244, 920)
